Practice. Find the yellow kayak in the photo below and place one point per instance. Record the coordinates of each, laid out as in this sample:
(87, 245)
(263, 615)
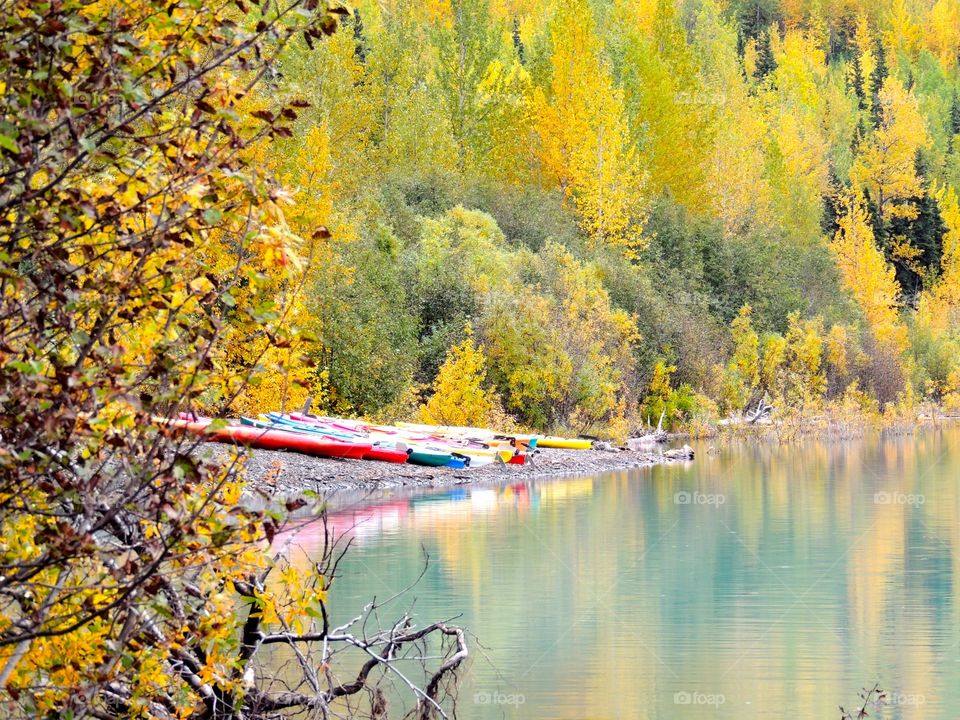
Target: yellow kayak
(483, 457)
(565, 443)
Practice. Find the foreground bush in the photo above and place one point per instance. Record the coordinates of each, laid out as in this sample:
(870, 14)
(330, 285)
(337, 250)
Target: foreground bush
(139, 242)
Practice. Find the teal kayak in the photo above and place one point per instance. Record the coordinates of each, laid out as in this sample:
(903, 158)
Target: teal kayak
(428, 456)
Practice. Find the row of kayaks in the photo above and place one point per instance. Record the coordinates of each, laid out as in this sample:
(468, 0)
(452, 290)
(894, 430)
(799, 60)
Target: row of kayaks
(435, 446)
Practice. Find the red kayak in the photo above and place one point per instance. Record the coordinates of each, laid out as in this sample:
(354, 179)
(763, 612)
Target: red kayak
(283, 440)
(280, 440)
(386, 455)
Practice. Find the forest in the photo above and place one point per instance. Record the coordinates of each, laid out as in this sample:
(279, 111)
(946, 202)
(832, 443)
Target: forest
(591, 215)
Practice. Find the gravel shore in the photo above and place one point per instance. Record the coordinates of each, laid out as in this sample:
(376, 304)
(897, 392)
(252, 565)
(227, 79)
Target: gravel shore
(283, 472)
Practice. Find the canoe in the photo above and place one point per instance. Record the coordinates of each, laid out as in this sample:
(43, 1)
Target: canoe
(270, 439)
(565, 443)
(429, 456)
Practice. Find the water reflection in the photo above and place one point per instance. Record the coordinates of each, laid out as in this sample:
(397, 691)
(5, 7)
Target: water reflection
(759, 581)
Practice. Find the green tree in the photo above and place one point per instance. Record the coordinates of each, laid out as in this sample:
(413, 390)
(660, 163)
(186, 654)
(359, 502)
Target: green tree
(367, 356)
(953, 123)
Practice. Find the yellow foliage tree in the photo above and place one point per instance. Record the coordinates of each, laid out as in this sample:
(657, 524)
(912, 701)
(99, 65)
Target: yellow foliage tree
(951, 397)
(135, 569)
(459, 397)
(943, 30)
(773, 357)
(584, 140)
(805, 382)
(742, 374)
(867, 275)
(669, 105)
(836, 350)
(741, 132)
(886, 168)
(799, 152)
(904, 32)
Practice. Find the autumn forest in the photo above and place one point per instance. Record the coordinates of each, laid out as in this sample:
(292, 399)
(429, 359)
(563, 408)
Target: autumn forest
(609, 211)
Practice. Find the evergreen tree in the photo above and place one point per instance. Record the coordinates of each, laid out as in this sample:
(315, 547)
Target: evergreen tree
(953, 124)
(766, 63)
(518, 42)
(829, 220)
(916, 237)
(856, 80)
(859, 135)
(754, 18)
(877, 80)
(955, 115)
(360, 52)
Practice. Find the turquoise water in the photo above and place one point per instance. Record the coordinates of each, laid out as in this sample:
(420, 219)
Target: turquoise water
(757, 581)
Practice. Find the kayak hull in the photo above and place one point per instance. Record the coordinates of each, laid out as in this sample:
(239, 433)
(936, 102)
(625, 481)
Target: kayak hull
(429, 457)
(564, 443)
(284, 440)
(386, 455)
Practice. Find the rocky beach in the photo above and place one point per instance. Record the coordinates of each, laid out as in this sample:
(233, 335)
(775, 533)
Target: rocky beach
(290, 473)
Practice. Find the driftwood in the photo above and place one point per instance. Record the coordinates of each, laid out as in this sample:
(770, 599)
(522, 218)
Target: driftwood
(649, 438)
(760, 414)
(681, 453)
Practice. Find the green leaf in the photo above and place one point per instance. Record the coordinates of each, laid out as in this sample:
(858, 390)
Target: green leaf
(8, 143)
(218, 424)
(212, 216)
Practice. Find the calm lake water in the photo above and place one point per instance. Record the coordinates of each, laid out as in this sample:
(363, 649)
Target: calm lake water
(759, 581)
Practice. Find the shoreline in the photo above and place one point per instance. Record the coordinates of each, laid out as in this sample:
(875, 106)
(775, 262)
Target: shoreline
(278, 472)
(289, 473)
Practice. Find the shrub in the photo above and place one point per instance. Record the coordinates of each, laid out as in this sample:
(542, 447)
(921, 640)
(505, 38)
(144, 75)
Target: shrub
(459, 397)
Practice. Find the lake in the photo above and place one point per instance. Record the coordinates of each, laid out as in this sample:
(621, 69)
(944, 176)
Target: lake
(757, 581)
